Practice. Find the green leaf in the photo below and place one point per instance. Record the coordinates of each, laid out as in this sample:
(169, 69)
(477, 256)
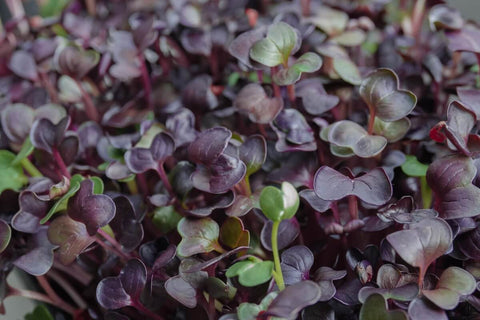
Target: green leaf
(279, 204)
(347, 70)
(39, 313)
(391, 130)
(375, 308)
(25, 151)
(166, 218)
(329, 20)
(97, 185)
(198, 236)
(271, 203)
(276, 48)
(350, 38)
(251, 273)
(308, 62)
(219, 289)
(61, 204)
(413, 168)
(11, 176)
(250, 311)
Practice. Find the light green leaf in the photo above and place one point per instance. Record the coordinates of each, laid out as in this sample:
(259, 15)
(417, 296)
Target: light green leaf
(414, 168)
(11, 176)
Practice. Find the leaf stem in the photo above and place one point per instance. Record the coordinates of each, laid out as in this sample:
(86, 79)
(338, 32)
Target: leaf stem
(69, 289)
(30, 168)
(371, 119)
(132, 186)
(61, 164)
(90, 109)
(114, 243)
(291, 93)
(44, 298)
(276, 88)
(353, 207)
(426, 193)
(163, 176)
(276, 258)
(248, 188)
(147, 86)
(151, 315)
(108, 248)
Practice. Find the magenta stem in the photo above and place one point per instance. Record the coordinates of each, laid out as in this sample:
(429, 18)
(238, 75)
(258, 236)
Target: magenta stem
(61, 164)
(164, 178)
(151, 315)
(147, 86)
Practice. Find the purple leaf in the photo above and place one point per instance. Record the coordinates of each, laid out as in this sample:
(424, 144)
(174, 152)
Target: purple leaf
(127, 224)
(296, 263)
(198, 95)
(314, 97)
(39, 257)
(381, 92)
(253, 101)
(5, 235)
(314, 201)
(124, 289)
(32, 210)
(373, 187)
(196, 41)
(216, 202)
(471, 98)
(324, 277)
(288, 231)
(293, 299)
(47, 136)
(253, 153)
(422, 243)
(181, 291)
(198, 236)
(94, 210)
(182, 126)
(443, 17)
(466, 39)
(140, 160)
(152, 250)
(421, 309)
(451, 180)
(71, 236)
(23, 65)
(293, 132)
(240, 46)
(209, 145)
(76, 62)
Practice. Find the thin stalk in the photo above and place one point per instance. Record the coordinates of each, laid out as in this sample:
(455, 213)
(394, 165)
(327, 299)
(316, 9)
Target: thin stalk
(371, 119)
(43, 298)
(48, 289)
(276, 258)
(48, 85)
(113, 242)
(151, 315)
(132, 186)
(30, 168)
(276, 88)
(108, 248)
(305, 7)
(147, 86)
(248, 188)
(353, 207)
(426, 193)
(142, 182)
(163, 176)
(79, 301)
(75, 272)
(260, 76)
(421, 276)
(291, 93)
(417, 18)
(61, 164)
(90, 109)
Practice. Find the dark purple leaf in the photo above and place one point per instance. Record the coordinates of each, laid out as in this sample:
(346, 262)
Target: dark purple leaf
(240, 46)
(288, 231)
(347, 293)
(196, 41)
(451, 180)
(5, 235)
(46, 136)
(43, 48)
(293, 132)
(466, 39)
(144, 35)
(94, 210)
(373, 187)
(469, 243)
(17, 120)
(124, 289)
(381, 92)
(76, 62)
(253, 152)
(209, 145)
(39, 256)
(471, 98)
(324, 277)
(443, 17)
(319, 311)
(254, 102)
(182, 127)
(150, 251)
(293, 299)
(23, 65)
(32, 210)
(127, 224)
(140, 160)
(216, 202)
(198, 95)
(71, 237)
(296, 263)
(422, 243)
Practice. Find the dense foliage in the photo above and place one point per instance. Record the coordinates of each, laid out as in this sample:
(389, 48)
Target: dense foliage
(241, 159)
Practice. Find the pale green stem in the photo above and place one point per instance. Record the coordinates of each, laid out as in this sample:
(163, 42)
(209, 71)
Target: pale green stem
(276, 258)
(30, 168)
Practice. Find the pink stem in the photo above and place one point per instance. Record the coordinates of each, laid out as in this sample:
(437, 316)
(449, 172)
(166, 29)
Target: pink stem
(44, 298)
(147, 86)
(90, 109)
(151, 315)
(61, 164)
(164, 178)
